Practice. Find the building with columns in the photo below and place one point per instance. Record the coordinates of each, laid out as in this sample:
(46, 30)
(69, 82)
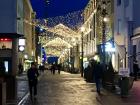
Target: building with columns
(93, 24)
(126, 32)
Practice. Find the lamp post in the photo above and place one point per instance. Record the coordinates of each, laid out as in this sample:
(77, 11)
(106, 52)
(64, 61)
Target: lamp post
(103, 43)
(82, 50)
(104, 20)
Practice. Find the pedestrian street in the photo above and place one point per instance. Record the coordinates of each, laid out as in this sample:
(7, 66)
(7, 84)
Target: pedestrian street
(64, 89)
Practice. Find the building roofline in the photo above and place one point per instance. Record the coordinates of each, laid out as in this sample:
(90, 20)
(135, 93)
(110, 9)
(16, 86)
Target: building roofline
(30, 6)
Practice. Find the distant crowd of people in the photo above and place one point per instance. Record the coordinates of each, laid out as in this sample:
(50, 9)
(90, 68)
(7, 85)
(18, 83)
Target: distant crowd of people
(41, 68)
(55, 67)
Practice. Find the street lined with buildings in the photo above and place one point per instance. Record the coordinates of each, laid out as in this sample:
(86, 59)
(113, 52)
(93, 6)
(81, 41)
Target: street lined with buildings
(71, 89)
(64, 89)
(104, 33)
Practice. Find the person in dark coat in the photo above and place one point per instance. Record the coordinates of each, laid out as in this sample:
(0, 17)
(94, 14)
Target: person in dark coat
(88, 73)
(41, 68)
(53, 68)
(136, 70)
(32, 75)
(98, 72)
(20, 68)
(59, 68)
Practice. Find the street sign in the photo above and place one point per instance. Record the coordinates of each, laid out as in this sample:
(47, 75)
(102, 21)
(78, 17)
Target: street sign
(124, 72)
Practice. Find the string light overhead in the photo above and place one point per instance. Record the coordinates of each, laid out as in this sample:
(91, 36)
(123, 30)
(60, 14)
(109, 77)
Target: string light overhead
(61, 32)
(58, 42)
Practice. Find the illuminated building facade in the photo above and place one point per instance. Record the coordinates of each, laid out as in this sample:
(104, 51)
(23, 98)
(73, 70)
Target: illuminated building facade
(93, 23)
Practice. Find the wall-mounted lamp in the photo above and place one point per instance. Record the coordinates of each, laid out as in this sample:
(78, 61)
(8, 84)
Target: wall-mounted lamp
(21, 44)
(26, 56)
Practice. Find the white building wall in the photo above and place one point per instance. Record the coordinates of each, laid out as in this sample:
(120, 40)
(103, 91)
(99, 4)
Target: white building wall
(122, 14)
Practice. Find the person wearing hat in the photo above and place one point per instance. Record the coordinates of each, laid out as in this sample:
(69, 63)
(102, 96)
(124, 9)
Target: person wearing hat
(32, 75)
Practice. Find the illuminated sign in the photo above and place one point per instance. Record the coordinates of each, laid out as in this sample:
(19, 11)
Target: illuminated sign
(21, 48)
(5, 39)
(21, 42)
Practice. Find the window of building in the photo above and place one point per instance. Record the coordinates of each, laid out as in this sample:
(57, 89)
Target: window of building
(119, 27)
(118, 2)
(126, 3)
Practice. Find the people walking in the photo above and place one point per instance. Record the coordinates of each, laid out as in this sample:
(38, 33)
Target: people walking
(88, 73)
(59, 68)
(32, 75)
(53, 67)
(98, 72)
(41, 68)
(20, 68)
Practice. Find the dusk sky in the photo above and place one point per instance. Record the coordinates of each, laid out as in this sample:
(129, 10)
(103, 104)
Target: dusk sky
(56, 7)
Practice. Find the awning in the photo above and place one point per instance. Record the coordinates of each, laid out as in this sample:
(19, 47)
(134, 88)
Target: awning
(135, 37)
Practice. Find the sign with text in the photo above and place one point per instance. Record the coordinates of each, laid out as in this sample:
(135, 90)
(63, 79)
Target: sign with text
(124, 72)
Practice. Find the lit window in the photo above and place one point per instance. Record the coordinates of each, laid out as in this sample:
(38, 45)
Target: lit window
(5, 43)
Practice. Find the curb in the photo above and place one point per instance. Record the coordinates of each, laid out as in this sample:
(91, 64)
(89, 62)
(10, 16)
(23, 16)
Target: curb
(23, 99)
(27, 95)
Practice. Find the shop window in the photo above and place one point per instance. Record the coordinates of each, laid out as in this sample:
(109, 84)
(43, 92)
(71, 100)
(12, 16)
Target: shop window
(5, 43)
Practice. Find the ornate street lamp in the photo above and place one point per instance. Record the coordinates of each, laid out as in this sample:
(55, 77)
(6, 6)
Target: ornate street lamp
(82, 51)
